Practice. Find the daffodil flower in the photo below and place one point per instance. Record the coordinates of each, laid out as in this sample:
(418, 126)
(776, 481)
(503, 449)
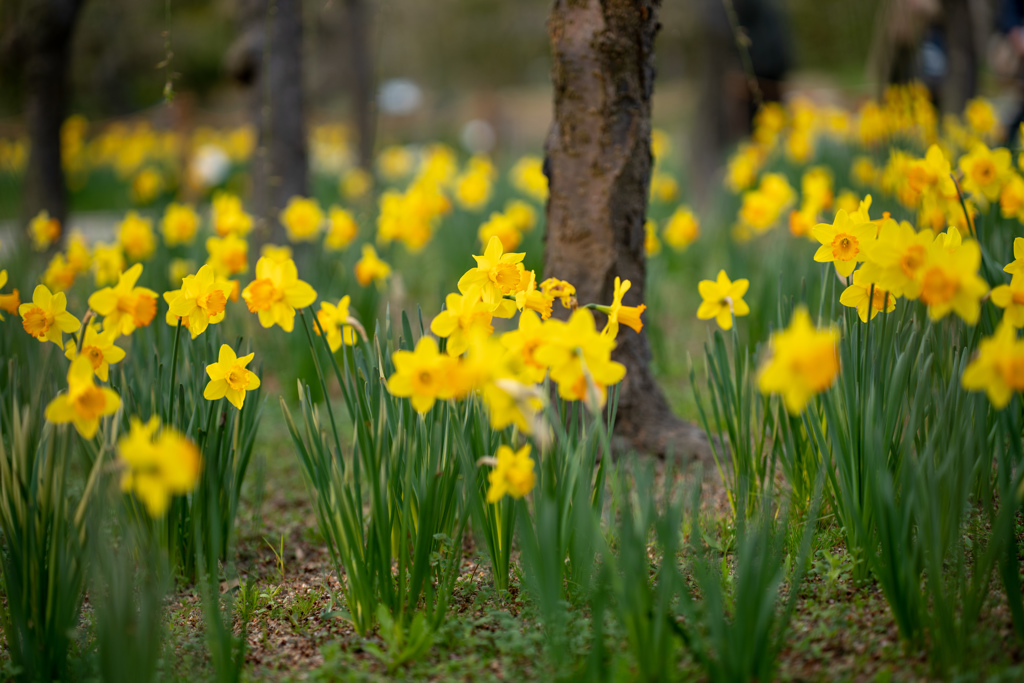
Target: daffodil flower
(276, 292)
(230, 378)
(722, 300)
(125, 307)
(46, 318)
(83, 403)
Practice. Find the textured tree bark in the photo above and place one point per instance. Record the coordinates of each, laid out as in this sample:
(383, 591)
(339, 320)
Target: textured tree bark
(361, 79)
(598, 163)
(49, 25)
(268, 57)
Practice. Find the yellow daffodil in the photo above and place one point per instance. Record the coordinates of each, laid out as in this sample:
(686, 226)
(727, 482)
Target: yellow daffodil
(461, 314)
(423, 375)
(843, 243)
(524, 341)
(652, 245)
(125, 307)
(228, 216)
(59, 275)
(617, 313)
(230, 378)
(722, 299)
(496, 273)
(980, 116)
(866, 295)
(504, 228)
(77, 253)
(336, 323)
(276, 292)
(530, 297)
(147, 185)
(512, 474)
(107, 263)
(664, 188)
(895, 260)
(395, 162)
(84, 403)
(984, 170)
(8, 302)
(342, 229)
(370, 268)
(44, 231)
(950, 281)
(229, 255)
(302, 219)
(473, 190)
(528, 177)
(579, 358)
(998, 366)
(561, 290)
(1016, 267)
(135, 235)
(179, 225)
(682, 229)
(1011, 298)
(156, 467)
(46, 318)
(523, 216)
(99, 348)
(355, 183)
(803, 361)
(202, 299)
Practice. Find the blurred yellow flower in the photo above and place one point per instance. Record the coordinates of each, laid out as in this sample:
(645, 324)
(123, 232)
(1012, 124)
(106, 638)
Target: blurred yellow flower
(84, 403)
(504, 228)
(228, 215)
(342, 229)
(77, 252)
(866, 295)
(522, 215)
(370, 268)
(528, 177)
(579, 358)
(461, 314)
(984, 170)
(125, 307)
(395, 162)
(276, 292)
(47, 317)
(107, 263)
(1016, 267)
(336, 323)
(803, 361)
(229, 255)
(229, 377)
(355, 183)
(950, 281)
(179, 225)
(981, 118)
(664, 188)
(524, 342)
(1011, 298)
(8, 302)
(652, 245)
(99, 348)
(512, 474)
(135, 235)
(44, 231)
(59, 275)
(147, 185)
(722, 299)
(682, 229)
(998, 366)
(422, 375)
(302, 219)
(156, 467)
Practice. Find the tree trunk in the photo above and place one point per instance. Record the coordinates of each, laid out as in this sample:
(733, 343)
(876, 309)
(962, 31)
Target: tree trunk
(361, 79)
(599, 166)
(268, 57)
(49, 27)
(961, 82)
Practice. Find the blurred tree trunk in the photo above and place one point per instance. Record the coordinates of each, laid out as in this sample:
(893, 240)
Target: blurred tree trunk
(598, 163)
(46, 40)
(268, 57)
(361, 78)
(961, 82)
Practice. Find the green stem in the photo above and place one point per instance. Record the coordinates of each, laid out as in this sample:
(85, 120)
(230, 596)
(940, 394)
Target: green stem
(174, 370)
(320, 376)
